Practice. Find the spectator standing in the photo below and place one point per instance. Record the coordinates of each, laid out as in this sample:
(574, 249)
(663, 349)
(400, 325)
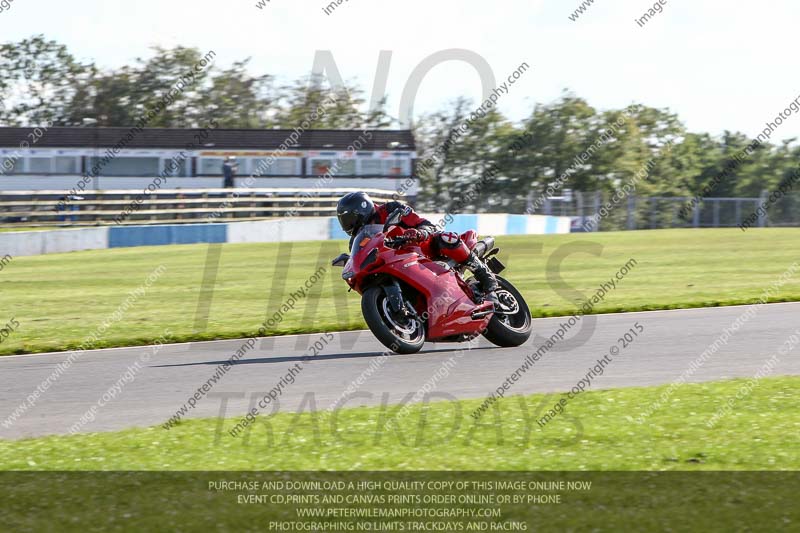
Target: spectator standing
(229, 169)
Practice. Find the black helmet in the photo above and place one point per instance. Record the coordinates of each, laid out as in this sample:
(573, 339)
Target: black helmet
(354, 210)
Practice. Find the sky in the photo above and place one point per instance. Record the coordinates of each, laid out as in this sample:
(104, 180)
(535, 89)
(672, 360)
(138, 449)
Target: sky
(718, 65)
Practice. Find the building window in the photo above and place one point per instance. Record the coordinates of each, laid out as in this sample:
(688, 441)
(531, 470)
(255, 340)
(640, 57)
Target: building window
(370, 167)
(336, 167)
(384, 167)
(396, 167)
(10, 165)
(66, 165)
(281, 166)
(210, 166)
(126, 166)
(174, 167)
(40, 165)
(286, 167)
(242, 166)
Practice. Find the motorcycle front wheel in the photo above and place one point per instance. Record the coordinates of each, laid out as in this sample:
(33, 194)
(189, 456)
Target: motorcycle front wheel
(513, 326)
(401, 335)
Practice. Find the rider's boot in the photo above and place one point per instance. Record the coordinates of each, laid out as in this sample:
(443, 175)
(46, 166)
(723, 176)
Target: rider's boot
(486, 280)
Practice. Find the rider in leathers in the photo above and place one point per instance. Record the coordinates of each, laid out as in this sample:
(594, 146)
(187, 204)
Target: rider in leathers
(356, 209)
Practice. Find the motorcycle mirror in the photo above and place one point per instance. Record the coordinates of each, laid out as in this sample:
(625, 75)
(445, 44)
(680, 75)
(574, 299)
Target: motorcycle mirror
(341, 260)
(393, 219)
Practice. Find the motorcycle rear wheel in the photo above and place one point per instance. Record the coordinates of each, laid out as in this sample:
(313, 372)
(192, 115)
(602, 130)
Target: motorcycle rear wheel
(398, 337)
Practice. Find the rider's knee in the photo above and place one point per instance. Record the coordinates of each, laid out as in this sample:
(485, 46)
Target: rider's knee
(451, 246)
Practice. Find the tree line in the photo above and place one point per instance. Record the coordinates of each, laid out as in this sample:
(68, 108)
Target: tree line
(566, 144)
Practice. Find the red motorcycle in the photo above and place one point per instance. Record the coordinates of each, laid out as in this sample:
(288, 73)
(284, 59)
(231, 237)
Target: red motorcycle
(408, 298)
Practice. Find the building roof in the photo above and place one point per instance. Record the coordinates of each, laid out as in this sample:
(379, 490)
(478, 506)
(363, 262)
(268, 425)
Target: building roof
(168, 138)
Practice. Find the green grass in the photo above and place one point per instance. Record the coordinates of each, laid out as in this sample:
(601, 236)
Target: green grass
(759, 434)
(61, 299)
(183, 501)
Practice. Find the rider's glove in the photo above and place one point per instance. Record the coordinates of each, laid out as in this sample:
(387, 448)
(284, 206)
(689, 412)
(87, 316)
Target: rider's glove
(415, 235)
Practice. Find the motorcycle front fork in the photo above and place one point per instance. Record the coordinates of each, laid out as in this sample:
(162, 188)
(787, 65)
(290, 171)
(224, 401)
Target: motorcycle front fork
(395, 296)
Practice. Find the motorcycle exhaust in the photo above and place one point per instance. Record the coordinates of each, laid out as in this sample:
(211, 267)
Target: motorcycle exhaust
(483, 246)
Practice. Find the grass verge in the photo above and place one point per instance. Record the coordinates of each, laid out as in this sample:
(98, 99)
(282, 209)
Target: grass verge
(64, 301)
(597, 432)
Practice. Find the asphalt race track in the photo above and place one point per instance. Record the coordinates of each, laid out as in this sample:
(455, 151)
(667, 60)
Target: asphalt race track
(670, 341)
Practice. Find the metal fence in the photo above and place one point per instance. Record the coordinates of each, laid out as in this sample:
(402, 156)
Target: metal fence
(94, 208)
(603, 211)
(590, 211)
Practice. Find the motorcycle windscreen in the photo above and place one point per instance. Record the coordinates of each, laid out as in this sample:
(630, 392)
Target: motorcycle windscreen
(364, 236)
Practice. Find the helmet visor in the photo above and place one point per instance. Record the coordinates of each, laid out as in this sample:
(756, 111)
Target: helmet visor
(350, 221)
